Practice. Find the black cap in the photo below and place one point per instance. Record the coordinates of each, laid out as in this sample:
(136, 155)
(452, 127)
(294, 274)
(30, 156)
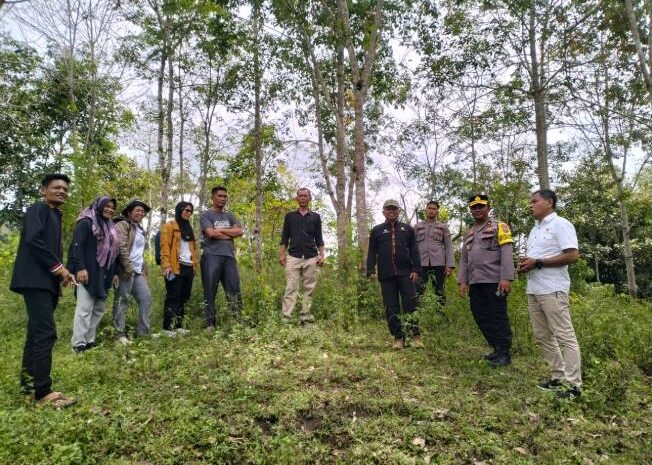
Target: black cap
(133, 204)
(478, 199)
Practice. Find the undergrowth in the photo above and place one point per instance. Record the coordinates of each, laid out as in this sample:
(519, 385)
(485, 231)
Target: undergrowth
(258, 391)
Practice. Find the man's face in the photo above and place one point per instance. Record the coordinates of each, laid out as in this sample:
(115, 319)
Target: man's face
(432, 211)
(479, 212)
(390, 213)
(219, 199)
(137, 214)
(540, 207)
(108, 211)
(303, 198)
(56, 192)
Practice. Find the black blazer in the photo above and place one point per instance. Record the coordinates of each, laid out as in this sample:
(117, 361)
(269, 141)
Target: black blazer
(82, 255)
(39, 250)
(406, 259)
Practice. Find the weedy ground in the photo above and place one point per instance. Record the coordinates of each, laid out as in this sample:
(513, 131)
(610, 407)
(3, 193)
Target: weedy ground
(258, 391)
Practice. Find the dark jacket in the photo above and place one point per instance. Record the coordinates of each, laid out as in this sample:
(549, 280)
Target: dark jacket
(405, 258)
(39, 250)
(82, 255)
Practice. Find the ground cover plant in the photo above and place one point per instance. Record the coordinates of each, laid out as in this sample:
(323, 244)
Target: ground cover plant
(258, 391)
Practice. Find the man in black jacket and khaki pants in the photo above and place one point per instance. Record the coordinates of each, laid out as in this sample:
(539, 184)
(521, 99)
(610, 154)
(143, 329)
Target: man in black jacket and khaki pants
(393, 248)
(38, 274)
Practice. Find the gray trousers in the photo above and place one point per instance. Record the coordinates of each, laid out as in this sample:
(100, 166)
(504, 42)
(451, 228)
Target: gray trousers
(138, 287)
(88, 314)
(220, 269)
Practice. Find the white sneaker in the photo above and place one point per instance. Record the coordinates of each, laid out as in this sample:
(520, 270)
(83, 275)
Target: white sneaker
(168, 333)
(183, 332)
(124, 341)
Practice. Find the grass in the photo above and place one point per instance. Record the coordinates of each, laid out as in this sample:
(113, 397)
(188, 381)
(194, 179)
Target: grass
(261, 392)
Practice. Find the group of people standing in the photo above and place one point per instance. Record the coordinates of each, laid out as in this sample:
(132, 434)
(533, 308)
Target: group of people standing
(109, 251)
(404, 259)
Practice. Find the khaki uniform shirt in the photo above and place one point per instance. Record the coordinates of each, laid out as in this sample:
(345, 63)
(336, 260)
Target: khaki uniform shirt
(486, 254)
(435, 244)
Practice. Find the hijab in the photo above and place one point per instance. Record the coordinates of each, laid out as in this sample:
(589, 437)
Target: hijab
(108, 243)
(187, 233)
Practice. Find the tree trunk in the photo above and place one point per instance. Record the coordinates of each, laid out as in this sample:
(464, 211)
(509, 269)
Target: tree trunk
(160, 120)
(360, 87)
(167, 171)
(258, 220)
(539, 97)
(182, 123)
(620, 190)
(644, 65)
(336, 106)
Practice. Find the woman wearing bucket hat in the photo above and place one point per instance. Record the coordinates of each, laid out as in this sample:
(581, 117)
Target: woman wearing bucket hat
(132, 270)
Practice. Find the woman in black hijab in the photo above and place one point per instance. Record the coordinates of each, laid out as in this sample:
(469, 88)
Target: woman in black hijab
(179, 261)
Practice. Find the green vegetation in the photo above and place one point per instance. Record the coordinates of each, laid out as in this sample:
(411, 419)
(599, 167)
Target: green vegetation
(261, 392)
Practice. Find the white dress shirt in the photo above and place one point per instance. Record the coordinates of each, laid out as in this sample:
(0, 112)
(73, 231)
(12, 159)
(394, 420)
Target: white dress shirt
(550, 237)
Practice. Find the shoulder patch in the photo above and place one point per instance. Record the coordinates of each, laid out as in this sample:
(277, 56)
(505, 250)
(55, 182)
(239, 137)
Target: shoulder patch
(504, 234)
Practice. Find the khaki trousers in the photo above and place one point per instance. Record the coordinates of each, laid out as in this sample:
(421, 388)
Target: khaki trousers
(296, 270)
(553, 330)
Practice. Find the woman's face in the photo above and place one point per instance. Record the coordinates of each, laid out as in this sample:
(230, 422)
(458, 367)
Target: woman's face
(108, 211)
(186, 213)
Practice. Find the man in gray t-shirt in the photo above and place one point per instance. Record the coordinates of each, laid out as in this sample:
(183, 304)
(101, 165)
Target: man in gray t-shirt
(218, 263)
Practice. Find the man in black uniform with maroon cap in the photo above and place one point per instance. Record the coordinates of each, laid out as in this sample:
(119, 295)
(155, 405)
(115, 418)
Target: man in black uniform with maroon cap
(393, 248)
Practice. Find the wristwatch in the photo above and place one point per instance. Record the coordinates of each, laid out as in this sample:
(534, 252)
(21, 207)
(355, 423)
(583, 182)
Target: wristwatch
(538, 264)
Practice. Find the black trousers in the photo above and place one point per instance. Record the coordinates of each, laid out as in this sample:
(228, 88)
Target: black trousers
(437, 275)
(392, 289)
(490, 314)
(176, 296)
(220, 269)
(41, 336)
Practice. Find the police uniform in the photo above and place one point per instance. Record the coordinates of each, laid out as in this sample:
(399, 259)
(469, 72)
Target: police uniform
(436, 254)
(485, 260)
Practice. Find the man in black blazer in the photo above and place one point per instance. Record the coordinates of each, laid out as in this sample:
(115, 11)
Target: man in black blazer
(38, 274)
(393, 249)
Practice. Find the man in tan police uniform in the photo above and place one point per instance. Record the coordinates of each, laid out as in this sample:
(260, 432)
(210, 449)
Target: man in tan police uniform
(435, 250)
(486, 270)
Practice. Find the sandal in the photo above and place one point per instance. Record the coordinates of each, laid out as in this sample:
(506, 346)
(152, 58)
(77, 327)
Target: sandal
(57, 400)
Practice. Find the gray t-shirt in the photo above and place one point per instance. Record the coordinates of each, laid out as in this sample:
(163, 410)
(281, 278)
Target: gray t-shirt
(213, 219)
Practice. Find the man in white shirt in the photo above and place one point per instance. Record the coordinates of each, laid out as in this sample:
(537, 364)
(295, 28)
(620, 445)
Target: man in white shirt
(551, 247)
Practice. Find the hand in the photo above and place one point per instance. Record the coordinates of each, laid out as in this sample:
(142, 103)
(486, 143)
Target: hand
(67, 278)
(115, 281)
(463, 289)
(371, 275)
(82, 277)
(505, 286)
(282, 259)
(449, 270)
(167, 271)
(414, 276)
(320, 260)
(525, 264)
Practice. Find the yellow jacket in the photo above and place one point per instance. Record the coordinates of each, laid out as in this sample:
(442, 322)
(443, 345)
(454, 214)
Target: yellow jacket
(170, 240)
